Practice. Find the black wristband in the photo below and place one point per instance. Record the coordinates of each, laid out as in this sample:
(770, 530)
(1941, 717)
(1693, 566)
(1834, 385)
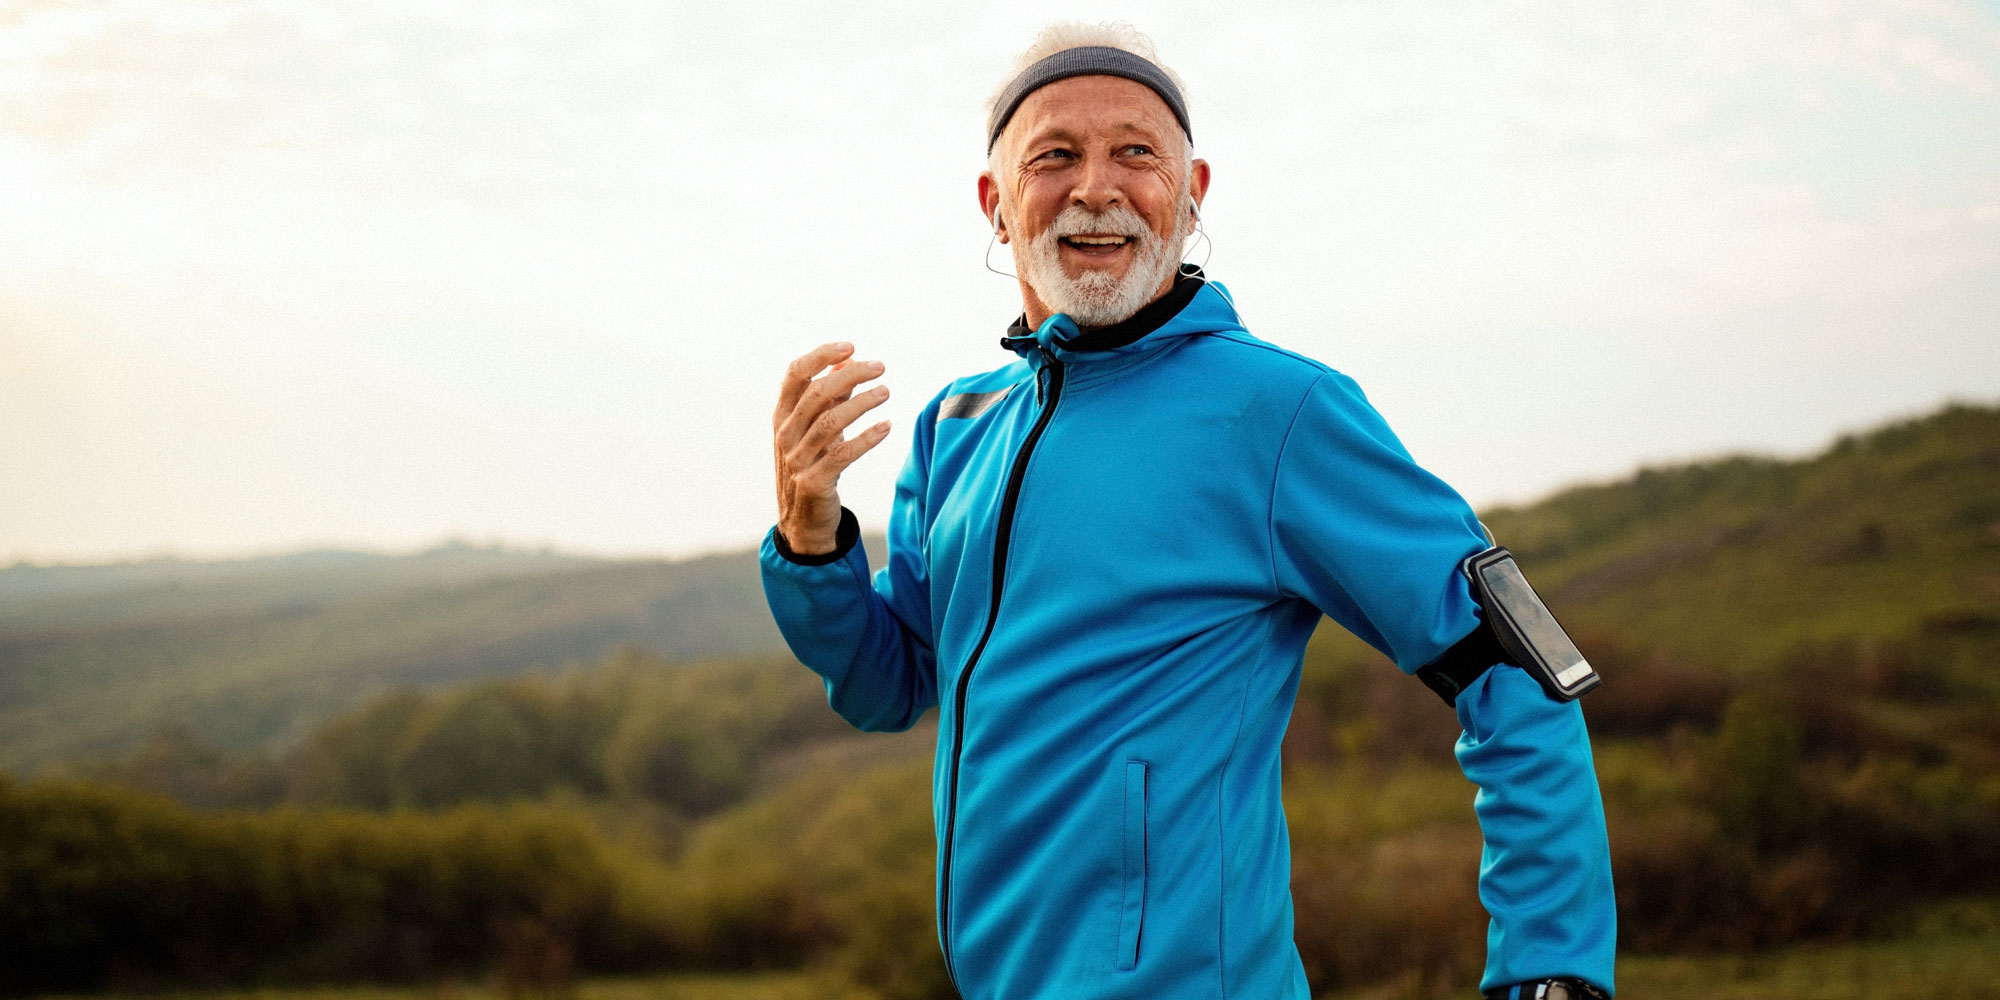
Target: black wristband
(844, 538)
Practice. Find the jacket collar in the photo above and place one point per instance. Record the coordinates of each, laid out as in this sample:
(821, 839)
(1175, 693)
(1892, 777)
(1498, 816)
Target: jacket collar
(1194, 305)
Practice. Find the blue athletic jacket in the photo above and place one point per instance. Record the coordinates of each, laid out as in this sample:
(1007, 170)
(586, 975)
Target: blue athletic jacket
(1104, 565)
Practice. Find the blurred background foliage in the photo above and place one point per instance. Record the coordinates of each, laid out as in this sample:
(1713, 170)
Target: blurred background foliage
(1798, 741)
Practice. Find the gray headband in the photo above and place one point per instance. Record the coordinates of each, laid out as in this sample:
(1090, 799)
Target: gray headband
(1085, 60)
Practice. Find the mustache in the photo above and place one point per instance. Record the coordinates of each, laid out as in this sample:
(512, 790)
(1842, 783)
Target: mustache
(1114, 221)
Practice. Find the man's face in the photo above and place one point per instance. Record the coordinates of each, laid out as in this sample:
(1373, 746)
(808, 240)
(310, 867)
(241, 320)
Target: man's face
(1093, 188)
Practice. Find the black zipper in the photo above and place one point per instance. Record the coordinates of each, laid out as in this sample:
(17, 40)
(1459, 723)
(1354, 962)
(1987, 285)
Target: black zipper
(1002, 534)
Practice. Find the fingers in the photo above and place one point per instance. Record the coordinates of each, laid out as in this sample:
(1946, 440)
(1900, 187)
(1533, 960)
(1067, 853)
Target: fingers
(832, 422)
(820, 476)
(800, 373)
(817, 401)
(819, 396)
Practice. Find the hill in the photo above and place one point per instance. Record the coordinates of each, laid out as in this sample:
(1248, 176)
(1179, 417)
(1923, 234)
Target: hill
(1892, 536)
(252, 653)
(1835, 781)
(1887, 538)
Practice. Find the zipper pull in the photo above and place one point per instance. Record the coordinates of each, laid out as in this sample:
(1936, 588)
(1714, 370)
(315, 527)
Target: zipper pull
(1049, 362)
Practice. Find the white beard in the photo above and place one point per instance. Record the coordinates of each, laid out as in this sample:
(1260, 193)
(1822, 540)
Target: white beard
(1097, 298)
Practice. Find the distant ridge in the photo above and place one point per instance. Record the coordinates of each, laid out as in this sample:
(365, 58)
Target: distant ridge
(106, 593)
(1889, 536)
(254, 652)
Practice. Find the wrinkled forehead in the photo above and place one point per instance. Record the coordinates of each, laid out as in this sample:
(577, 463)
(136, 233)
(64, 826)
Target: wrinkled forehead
(1081, 107)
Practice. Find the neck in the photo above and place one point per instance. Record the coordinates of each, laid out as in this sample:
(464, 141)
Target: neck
(1036, 312)
(1180, 291)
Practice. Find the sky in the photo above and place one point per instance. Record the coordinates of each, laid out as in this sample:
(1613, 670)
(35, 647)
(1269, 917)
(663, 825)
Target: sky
(290, 274)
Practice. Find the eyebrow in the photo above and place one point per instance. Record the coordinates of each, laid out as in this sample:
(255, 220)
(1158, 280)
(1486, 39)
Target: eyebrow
(1062, 134)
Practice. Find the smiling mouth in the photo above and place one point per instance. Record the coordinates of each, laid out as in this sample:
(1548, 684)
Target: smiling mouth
(1092, 243)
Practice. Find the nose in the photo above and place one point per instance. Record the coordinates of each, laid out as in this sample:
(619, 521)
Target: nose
(1096, 186)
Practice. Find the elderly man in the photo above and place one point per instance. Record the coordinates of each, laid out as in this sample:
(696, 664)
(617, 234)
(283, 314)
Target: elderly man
(1104, 561)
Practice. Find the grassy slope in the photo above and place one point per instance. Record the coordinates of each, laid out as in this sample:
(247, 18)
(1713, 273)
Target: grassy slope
(1888, 535)
(1953, 953)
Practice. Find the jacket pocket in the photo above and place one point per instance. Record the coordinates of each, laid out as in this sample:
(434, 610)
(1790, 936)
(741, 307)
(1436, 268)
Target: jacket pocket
(1132, 912)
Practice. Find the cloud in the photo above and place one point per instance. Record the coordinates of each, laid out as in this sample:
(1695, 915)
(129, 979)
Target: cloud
(468, 219)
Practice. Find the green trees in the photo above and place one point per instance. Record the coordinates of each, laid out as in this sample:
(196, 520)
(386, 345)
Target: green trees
(646, 816)
(1750, 775)
(106, 887)
(690, 738)
(635, 815)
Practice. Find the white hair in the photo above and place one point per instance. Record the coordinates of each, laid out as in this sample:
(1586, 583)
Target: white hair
(1062, 35)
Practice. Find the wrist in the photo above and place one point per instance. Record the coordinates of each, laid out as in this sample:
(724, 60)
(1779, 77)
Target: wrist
(807, 542)
(844, 538)
(1552, 988)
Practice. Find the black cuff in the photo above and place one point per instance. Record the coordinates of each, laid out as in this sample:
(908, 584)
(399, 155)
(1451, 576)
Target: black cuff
(1578, 989)
(844, 538)
(1456, 668)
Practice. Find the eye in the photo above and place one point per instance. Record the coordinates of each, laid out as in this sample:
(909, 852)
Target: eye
(1137, 149)
(1056, 154)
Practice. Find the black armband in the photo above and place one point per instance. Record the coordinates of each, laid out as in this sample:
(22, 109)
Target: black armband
(1516, 628)
(1456, 668)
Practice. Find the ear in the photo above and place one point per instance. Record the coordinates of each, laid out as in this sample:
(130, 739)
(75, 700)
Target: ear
(1198, 181)
(989, 203)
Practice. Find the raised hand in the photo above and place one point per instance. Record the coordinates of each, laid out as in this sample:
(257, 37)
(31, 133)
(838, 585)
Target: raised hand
(813, 414)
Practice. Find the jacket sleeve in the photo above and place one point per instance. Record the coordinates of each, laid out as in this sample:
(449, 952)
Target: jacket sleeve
(870, 640)
(1374, 541)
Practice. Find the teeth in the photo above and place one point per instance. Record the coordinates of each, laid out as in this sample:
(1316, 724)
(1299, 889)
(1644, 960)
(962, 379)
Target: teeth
(1098, 241)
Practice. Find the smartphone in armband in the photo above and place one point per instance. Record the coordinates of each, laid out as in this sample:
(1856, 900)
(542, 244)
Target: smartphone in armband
(1525, 628)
